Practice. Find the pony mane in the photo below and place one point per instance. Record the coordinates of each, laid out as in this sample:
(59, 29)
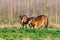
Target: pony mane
(41, 16)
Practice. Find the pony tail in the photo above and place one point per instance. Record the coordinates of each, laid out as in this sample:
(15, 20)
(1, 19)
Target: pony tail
(46, 25)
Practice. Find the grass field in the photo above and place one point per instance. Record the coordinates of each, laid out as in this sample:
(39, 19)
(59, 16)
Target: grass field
(29, 34)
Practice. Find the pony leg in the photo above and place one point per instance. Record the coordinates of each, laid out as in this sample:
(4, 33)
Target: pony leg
(40, 27)
(26, 26)
(22, 25)
(46, 24)
(30, 25)
(33, 26)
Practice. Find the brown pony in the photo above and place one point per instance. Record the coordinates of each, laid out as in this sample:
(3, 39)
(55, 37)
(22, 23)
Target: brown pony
(23, 20)
(38, 21)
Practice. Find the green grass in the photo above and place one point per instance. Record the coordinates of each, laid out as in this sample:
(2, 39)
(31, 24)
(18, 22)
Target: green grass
(32, 34)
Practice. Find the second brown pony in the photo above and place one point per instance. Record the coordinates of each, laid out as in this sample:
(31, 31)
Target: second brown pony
(23, 20)
(38, 21)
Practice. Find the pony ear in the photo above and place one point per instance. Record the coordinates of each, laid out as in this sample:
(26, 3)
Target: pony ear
(20, 16)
